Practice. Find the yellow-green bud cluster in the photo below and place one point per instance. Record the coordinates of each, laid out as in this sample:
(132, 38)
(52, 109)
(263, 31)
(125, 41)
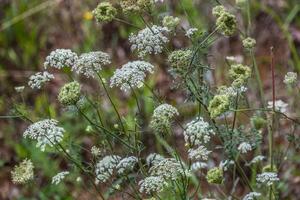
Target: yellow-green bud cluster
(170, 22)
(249, 43)
(23, 172)
(218, 105)
(180, 60)
(135, 6)
(104, 12)
(215, 175)
(226, 22)
(240, 74)
(69, 94)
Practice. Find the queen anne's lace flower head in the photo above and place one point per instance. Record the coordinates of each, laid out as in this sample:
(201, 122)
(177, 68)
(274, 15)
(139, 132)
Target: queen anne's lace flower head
(198, 165)
(290, 78)
(162, 117)
(37, 80)
(131, 75)
(126, 165)
(215, 175)
(252, 196)
(267, 178)
(170, 22)
(153, 159)
(280, 106)
(240, 74)
(105, 167)
(244, 147)
(149, 40)
(152, 184)
(218, 10)
(226, 22)
(180, 60)
(90, 63)
(135, 6)
(218, 105)
(59, 177)
(169, 169)
(200, 153)
(104, 12)
(60, 58)
(249, 43)
(69, 94)
(23, 172)
(197, 132)
(46, 132)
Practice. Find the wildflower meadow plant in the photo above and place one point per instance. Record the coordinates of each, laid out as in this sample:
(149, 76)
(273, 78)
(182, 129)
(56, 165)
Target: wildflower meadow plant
(217, 146)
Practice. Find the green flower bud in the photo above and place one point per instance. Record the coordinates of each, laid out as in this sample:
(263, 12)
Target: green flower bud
(180, 60)
(69, 94)
(170, 22)
(218, 105)
(258, 122)
(104, 12)
(218, 10)
(240, 74)
(226, 23)
(290, 78)
(215, 175)
(135, 6)
(249, 43)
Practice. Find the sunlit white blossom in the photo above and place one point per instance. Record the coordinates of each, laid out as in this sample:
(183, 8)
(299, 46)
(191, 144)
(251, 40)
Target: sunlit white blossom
(280, 106)
(37, 80)
(267, 178)
(244, 147)
(46, 132)
(152, 184)
(126, 164)
(59, 177)
(252, 196)
(153, 159)
(200, 153)
(190, 32)
(23, 172)
(60, 58)
(131, 75)
(105, 167)
(149, 40)
(198, 165)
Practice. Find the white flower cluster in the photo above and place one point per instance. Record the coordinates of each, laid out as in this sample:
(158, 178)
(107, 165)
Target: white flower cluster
(232, 91)
(60, 58)
(267, 178)
(197, 132)
(190, 32)
(95, 151)
(255, 160)
(152, 184)
(153, 159)
(280, 106)
(149, 40)
(290, 78)
(126, 165)
(105, 167)
(37, 80)
(90, 63)
(23, 172)
(59, 177)
(200, 153)
(130, 75)
(198, 165)
(168, 168)
(46, 132)
(252, 196)
(244, 147)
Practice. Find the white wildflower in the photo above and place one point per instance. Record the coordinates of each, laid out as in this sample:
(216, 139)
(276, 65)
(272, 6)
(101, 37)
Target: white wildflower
(200, 153)
(37, 80)
(267, 178)
(23, 172)
(59, 177)
(251, 196)
(244, 147)
(235, 59)
(256, 159)
(95, 151)
(153, 159)
(198, 165)
(126, 165)
(19, 89)
(105, 167)
(190, 32)
(169, 169)
(46, 132)
(232, 91)
(60, 58)
(90, 63)
(290, 78)
(152, 184)
(280, 106)
(197, 132)
(130, 75)
(149, 40)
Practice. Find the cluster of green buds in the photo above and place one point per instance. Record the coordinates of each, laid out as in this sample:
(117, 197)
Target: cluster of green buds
(258, 122)
(226, 22)
(215, 176)
(69, 94)
(249, 43)
(218, 105)
(135, 6)
(180, 61)
(104, 12)
(170, 22)
(239, 74)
